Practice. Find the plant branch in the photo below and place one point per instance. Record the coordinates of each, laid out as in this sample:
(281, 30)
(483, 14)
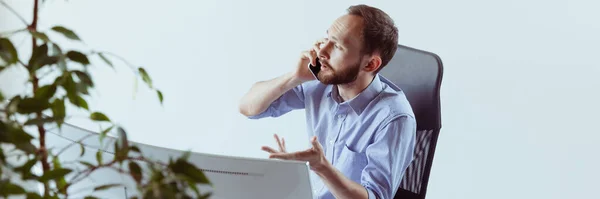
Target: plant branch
(42, 150)
(8, 33)
(46, 74)
(23, 63)
(14, 12)
(89, 171)
(118, 57)
(73, 143)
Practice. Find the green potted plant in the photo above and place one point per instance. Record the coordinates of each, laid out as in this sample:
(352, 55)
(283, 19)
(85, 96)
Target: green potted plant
(25, 119)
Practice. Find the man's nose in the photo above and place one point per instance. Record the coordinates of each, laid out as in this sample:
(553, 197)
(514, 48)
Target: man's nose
(324, 51)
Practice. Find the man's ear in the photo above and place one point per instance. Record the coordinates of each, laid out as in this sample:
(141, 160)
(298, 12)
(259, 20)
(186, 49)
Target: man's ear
(373, 64)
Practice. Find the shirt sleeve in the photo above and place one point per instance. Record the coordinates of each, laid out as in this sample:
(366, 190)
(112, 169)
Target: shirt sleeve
(388, 157)
(290, 100)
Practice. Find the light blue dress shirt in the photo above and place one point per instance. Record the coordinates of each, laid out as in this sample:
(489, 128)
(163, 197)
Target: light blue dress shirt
(370, 138)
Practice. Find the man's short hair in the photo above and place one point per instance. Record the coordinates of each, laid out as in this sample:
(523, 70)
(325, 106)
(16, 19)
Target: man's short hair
(379, 32)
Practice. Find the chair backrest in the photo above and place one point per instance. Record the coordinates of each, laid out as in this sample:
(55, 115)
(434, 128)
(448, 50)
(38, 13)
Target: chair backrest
(419, 74)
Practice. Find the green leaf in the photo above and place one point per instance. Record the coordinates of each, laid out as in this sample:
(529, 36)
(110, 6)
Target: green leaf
(90, 197)
(39, 35)
(8, 52)
(104, 132)
(60, 182)
(63, 79)
(82, 88)
(45, 92)
(82, 149)
(136, 172)
(184, 168)
(56, 162)
(12, 106)
(2, 156)
(86, 164)
(18, 137)
(106, 186)
(97, 116)
(205, 196)
(135, 148)
(10, 188)
(32, 105)
(66, 32)
(192, 185)
(58, 111)
(120, 153)
(67, 82)
(78, 101)
(25, 169)
(40, 53)
(32, 195)
(85, 82)
(40, 121)
(56, 51)
(54, 174)
(40, 58)
(160, 96)
(78, 57)
(99, 157)
(186, 155)
(26, 147)
(105, 59)
(145, 76)
(14, 134)
(1, 97)
(84, 78)
(49, 60)
(122, 140)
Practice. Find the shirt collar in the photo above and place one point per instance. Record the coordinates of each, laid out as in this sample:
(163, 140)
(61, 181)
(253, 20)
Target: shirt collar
(360, 102)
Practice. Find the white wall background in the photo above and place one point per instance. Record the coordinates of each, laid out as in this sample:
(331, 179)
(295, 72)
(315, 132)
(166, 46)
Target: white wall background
(520, 90)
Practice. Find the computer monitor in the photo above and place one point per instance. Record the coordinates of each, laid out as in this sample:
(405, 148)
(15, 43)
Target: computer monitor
(231, 177)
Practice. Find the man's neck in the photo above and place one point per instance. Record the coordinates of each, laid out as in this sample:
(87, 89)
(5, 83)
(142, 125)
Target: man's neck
(351, 90)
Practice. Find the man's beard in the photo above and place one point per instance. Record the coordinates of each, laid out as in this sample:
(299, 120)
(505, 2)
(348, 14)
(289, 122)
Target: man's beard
(340, 76)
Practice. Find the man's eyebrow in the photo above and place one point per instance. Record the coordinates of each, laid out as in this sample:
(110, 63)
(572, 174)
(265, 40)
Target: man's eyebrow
(333, 37)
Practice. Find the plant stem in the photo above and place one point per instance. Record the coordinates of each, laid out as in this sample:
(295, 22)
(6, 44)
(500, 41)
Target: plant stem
(73, 143)
(43, 151)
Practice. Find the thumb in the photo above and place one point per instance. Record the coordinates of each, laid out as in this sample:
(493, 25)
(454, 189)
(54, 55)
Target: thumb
(315, 143)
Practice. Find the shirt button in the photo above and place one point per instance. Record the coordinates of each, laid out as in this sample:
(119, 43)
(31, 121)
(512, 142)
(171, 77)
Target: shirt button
(330, 141)
(340, 116)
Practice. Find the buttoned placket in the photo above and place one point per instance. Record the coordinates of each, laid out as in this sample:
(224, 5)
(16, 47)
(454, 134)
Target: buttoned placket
(332, 137)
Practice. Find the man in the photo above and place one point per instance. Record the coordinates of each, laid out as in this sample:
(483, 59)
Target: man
(362, 131)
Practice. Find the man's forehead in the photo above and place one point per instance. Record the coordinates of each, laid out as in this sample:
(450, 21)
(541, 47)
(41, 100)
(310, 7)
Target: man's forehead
(346, 28)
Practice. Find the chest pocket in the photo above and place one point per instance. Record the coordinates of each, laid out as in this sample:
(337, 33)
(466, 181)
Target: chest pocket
(351, 163)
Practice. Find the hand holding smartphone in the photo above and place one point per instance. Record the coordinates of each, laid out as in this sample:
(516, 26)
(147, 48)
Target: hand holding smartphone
(315, 69)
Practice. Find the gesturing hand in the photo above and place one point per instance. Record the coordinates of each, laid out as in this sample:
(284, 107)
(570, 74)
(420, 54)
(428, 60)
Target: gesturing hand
(314, 156)
(280, 143)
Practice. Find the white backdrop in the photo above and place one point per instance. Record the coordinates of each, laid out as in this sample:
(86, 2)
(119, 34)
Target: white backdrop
(519, 96)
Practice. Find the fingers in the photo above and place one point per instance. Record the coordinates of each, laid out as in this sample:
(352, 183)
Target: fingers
(279, 143)
(312, 56)
(269, 149)
(317, 47)
(302, 155)
(283, 156)
(315, 143)
(283, 143)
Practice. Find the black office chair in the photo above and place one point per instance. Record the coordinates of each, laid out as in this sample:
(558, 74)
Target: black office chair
(419, 74)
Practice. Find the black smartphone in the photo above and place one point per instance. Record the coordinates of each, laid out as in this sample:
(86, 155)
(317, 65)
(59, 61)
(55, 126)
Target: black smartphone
(315, 69)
